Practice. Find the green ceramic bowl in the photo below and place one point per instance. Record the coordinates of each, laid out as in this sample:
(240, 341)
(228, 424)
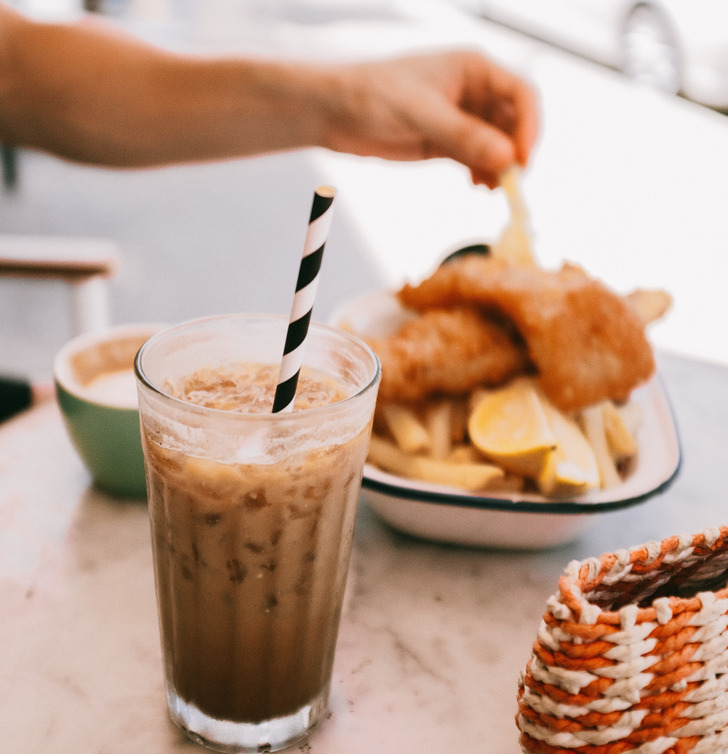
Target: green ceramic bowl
(96, 390)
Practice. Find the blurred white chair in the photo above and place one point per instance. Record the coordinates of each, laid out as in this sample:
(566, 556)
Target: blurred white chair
(85, 264)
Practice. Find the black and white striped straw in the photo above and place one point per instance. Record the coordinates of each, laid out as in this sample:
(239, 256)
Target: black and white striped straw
(303, 299)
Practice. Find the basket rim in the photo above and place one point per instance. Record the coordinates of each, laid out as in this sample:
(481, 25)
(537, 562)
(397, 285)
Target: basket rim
(582, 578)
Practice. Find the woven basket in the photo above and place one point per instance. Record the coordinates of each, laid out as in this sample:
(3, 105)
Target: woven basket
(632, 654)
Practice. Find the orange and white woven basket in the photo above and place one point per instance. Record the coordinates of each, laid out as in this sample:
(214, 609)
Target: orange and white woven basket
(632, 654)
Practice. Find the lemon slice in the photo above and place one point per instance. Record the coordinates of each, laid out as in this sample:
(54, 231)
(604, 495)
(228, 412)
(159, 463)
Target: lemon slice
(509, 426)
(572, 468)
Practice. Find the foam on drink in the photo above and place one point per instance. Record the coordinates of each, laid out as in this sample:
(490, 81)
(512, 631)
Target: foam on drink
(250, 388)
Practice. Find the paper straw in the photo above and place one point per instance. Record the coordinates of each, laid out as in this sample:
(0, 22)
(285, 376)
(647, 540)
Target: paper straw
(303, 299)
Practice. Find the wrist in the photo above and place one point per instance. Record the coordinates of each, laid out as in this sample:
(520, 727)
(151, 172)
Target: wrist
(311, 98)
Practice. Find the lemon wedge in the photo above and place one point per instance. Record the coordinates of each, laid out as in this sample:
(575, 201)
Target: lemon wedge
(509, 426)
(572, 468)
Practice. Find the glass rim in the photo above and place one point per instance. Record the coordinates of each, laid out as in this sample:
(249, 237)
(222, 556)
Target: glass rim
(315, 325)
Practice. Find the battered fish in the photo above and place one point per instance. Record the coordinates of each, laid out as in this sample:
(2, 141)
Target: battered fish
(448, 351)
(586, 342)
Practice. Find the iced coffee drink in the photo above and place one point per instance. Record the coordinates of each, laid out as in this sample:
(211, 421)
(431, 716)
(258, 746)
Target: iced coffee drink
(252, 516)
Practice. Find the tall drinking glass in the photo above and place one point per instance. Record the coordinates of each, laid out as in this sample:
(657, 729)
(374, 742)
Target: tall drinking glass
(252, 515)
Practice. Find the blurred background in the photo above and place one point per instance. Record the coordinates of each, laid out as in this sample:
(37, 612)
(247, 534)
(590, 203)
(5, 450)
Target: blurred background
(628, 177)
(675, 46)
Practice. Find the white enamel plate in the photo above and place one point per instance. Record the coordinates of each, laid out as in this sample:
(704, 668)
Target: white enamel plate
(513, 520)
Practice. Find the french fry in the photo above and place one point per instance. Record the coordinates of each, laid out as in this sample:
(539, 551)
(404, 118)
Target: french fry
(438, 419)
(465, 476)
(465, 453)
(459, 413)
(510, 483)
(592, 421)
(620, 440)
(631, 415)
(470, 477)
(515, 242)
(386, 454)
(407, 430)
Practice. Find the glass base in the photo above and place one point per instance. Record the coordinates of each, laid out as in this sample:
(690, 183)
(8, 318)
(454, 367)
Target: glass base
(235, 737)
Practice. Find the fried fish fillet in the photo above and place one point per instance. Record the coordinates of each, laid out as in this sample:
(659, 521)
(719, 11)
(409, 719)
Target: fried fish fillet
(448, 351)
(586, 342)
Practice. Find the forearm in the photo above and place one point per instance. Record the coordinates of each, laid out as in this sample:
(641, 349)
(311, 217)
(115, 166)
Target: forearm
(92, 95)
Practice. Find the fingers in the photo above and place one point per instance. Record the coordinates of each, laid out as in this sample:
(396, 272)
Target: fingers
(488, 121)
(483, 147)
(517, 114)
(457, 105)
(503, 100)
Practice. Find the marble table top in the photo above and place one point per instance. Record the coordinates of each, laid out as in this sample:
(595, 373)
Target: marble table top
(432, 639)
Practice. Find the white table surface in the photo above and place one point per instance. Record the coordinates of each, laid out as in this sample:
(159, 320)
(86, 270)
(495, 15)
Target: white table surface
(432, 639)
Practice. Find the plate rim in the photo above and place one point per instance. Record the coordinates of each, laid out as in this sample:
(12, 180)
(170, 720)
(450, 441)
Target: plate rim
(512, 505)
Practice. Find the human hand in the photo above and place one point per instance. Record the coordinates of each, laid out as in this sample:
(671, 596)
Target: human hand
(457, 105)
